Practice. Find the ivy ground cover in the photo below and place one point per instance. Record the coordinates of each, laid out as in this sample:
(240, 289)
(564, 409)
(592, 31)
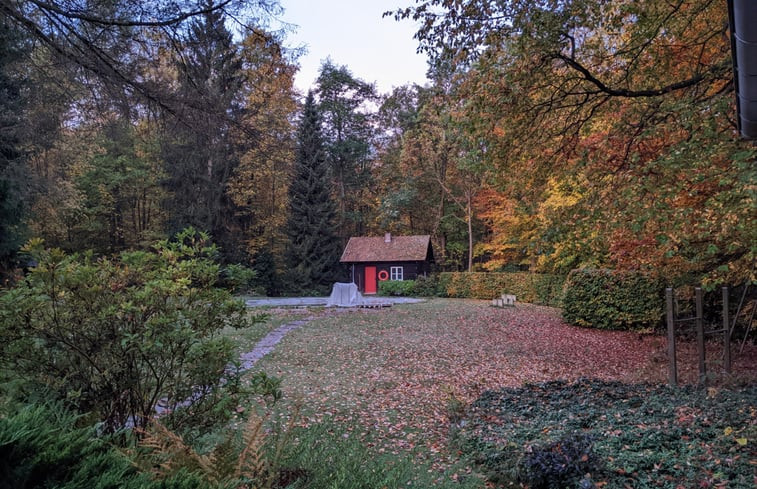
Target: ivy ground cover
(399, 378)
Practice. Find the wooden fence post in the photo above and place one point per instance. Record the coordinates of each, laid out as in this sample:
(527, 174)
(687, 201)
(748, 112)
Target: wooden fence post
(726, 334)
(700, 336)
(672, 369)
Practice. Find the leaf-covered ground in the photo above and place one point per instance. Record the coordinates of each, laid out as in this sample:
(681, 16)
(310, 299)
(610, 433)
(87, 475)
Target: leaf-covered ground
(400, 374)
(639, 435)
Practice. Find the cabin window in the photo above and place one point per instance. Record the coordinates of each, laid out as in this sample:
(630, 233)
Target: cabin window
(395, 273)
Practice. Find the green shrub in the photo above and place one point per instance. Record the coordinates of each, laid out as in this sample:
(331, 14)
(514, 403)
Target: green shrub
(404, 288)
(44, 446)
(236, 278)
(114, 336)
(426, 286)
(527, 287)
(608, 299)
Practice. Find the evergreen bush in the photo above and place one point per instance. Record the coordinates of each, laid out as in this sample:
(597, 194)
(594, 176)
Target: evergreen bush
(45, 446)
(608, 299)
(559, 464)
(403, 288)
(599, 434)
(426, 286)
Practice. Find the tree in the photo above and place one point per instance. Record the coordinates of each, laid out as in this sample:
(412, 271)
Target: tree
(111, 40)
(260, 182)
(430, 167)
(348, 133)
(200, 150)
(122, 198)
(314, 249)
(12, 205)
(589, 112)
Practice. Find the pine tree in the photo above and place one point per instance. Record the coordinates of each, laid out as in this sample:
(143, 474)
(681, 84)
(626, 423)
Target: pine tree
(11, 161)
(313, 252)
(202, 151)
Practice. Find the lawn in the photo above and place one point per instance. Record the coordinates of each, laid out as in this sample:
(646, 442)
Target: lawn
(398, 376)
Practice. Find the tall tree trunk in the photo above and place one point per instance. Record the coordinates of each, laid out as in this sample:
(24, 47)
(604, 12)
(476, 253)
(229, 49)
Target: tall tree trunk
(469, 212)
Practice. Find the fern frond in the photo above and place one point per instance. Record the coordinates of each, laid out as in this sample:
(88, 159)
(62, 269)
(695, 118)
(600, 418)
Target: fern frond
(168, 453)
(282, 443)
(251, 463)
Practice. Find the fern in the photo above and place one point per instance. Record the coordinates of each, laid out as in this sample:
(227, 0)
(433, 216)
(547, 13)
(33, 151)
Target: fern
(251, 464)
(167, 454)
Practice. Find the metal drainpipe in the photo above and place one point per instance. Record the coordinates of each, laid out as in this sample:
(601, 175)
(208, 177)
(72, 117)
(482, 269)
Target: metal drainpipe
(742, 15)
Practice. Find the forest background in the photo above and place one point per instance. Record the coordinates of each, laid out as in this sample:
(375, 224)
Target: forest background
(553, 135)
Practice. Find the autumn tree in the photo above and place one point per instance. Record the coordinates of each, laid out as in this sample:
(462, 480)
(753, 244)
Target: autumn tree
(260, 182)
(314, 248)
(402, 204)
(611, 123)
(429, 171)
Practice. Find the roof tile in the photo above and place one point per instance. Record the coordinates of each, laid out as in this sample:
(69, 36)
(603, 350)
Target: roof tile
(375, 249)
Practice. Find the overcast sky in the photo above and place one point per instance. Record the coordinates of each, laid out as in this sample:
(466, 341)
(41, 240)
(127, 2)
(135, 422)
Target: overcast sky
(353, 33)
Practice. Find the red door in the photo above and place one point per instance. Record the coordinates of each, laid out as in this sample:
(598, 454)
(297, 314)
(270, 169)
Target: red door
(370, 280)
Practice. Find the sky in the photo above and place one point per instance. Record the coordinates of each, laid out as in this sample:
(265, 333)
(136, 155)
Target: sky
(353, 34)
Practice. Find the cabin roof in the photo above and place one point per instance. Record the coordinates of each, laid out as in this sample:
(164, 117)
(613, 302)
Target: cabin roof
(386, 248)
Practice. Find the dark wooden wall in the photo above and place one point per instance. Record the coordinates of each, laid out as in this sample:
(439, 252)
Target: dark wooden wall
(411, 269)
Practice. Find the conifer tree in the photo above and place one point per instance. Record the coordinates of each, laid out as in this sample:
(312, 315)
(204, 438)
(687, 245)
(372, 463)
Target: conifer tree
(313, 252)
(11, 162)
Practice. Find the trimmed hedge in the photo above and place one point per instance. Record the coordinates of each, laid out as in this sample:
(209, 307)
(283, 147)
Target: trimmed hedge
(608, 299)
(403, 288)
(535, 288)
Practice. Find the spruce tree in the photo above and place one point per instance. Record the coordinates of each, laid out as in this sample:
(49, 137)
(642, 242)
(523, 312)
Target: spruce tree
(12, 173)
(314, 249)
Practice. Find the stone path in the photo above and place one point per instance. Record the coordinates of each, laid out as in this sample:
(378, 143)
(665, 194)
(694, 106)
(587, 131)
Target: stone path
(269, 342)
(320, 301)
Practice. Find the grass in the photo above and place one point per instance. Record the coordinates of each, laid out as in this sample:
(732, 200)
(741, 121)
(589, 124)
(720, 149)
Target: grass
(394, 380)
(330, 456)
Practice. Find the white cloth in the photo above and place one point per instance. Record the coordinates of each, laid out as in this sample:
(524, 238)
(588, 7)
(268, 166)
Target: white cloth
(344, 295)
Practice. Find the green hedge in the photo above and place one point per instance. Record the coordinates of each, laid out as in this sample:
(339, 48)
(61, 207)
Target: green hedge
(535, 288)
(403, 288)
(608, 299)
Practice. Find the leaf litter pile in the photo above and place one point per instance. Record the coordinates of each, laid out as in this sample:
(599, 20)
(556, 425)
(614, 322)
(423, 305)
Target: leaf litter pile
(399, 378)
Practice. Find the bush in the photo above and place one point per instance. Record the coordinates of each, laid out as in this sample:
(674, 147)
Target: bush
(236, 278)
(44, 446)
(404, 288)
(608, 299)
(426, 286)
(527, 287)
(114, 336)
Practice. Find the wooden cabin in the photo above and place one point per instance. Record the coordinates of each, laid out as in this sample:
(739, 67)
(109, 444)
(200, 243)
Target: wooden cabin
(375, 259)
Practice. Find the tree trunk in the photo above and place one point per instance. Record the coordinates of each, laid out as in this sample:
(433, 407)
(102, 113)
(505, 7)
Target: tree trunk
(469, 212)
